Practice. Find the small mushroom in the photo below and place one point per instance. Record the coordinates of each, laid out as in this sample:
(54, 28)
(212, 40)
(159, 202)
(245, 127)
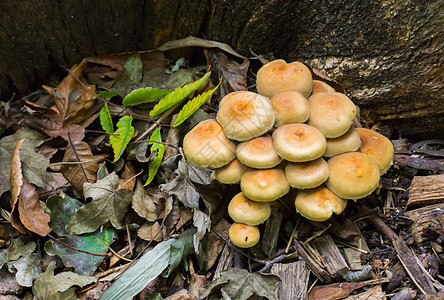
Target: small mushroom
(244, 236)
(331, 113)
(353, 175)
(299, 142)
(348, 142)
(264, 185)
(245, 115)
(206, 145)
(277, 76)
(290, 107)
(307, 175)
(377, 147)
(258, 153)
(321, 87)
(243, 210)
(231, 173)
(319, 204)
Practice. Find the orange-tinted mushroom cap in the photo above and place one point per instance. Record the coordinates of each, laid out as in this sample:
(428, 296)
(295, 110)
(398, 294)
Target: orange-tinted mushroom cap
(321, 87)
(243, 210)
(348, 142)
(290, 107)
(319, 204)
(264, 185)
(331, 113)
(277, 76)
(353, 175)
(231, 173)
(258, 153)
(244, 236)
(307, 175)
(378, 147)
(299, 142)
(245, 115)
(206, 145)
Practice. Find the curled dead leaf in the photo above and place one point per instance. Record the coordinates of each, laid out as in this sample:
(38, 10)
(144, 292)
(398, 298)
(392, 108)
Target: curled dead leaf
(150, 231)
(128, 178)
(16, 182)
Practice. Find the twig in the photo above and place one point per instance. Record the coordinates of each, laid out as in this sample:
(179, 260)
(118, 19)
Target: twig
(119, 256)
(156, 142)
(74, 162)
(72, 248)
(353, 247)
(317, 234)
(292, 235)
(131, 178)
(363, 214)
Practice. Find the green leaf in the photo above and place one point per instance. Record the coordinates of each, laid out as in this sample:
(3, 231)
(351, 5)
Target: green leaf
(239, 284)
(85, 264)
(193, 105)
(177, 95)
(62, 209)
(121, 137)
(107, 94)
(136, 278)
(107, 205)
(59, 287)
(143, 95)
(106, 120)
(130, 77)
(160, 148)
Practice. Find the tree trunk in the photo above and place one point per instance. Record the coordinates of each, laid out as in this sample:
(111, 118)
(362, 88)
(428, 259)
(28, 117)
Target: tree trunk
(388, 54)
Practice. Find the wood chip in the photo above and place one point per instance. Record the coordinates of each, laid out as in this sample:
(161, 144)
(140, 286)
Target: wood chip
(271, 233)
(425, 190)
(294, 280)
(424, 220)
(332, 257)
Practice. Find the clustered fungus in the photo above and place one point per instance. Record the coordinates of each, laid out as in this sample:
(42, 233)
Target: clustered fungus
(295, 133)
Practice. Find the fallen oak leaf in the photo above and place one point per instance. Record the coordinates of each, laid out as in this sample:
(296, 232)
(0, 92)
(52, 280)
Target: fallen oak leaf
(16, 182)
(108, 204)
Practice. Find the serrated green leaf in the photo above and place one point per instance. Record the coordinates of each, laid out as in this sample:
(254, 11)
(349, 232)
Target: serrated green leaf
(143, 95)
(121, 137)
(107, 94)
(177, 95)
(193, 105)
(160, 148)
(106, 120)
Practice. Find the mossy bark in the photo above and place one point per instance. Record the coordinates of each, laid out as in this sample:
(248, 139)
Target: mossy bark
(388, 54)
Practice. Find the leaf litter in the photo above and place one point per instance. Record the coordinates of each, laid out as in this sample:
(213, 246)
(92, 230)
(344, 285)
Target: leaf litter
(113, 124)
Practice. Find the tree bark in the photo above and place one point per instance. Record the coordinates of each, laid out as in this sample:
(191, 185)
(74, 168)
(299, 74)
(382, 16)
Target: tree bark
(388, 54)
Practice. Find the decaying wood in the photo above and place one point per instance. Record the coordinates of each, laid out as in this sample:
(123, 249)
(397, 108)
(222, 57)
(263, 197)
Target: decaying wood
(225, 261)
(215, 244)
(428, 222)
(374, 293)
(425, 190)
(332, 257)
(345, 230)
(340, 290)
(353, 258)
(404, 294)
(399, 276)
(418, 163)
(294, 280)
(271, 233)
(415, 270)
(314, 266)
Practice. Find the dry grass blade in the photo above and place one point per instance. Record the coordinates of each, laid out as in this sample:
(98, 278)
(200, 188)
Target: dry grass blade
(78, 174)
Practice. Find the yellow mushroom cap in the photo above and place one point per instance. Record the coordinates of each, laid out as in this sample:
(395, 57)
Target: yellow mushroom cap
(244, 236)
(377, 147)
(264, 185)
(258, 153)
(348, 142)
(243, 210)
(245, 115)
(277, 76)
(206, 145)
(353, 175)
(319, 204)
(231, 173)
(321, 87)
(307, 175)
(299, 142)
(331, 113)
(290, 107)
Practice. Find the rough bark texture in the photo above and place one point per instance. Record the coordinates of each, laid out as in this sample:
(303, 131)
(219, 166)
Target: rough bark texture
(389, 54)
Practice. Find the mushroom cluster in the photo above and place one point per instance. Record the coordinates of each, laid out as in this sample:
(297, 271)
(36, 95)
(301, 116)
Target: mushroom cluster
(295, 133)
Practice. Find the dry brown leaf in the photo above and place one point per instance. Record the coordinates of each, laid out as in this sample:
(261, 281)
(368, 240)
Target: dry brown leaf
(31, 212)
(215, 244)
(128, 178)
(78, 174)
(146, 203)
(150, 59)
(340, 290)
(150, 231)
(186, 214)
(16, 182)
(54, 181)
